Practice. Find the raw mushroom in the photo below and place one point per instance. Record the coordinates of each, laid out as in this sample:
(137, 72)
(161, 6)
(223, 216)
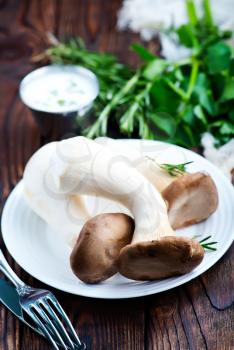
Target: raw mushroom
(136, 158)
(159, 258)
(191, 198)
(65, 213)
(81, 166)
(96, 251)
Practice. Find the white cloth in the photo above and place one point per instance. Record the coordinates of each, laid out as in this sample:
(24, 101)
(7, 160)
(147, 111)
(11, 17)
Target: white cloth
(222, 157)
(153, 17)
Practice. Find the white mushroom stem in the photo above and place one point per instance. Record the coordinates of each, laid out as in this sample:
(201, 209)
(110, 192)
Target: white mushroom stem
(190, 198)
(81, 166)
(65, 210)
(65, 213)
(136, 157)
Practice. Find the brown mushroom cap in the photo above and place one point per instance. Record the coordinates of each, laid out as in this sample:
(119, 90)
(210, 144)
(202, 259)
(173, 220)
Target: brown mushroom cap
(191, 198)
(169, 256)
(94, 255)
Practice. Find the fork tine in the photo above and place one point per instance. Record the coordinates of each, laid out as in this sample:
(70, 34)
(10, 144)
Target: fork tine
(67, 321)
(50, 324)
(59, 323)
(43, 328)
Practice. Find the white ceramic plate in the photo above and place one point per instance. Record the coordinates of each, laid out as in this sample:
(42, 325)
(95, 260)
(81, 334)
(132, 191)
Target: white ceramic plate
(39, 251)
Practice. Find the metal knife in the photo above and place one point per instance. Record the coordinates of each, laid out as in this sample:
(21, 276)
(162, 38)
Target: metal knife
(10, 298)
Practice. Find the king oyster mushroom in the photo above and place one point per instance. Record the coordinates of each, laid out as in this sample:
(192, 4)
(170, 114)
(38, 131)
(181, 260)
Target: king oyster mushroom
(159, 258)
(66, 156)
(64, 212)
(95, 170)
(190, 197)
(94, 256)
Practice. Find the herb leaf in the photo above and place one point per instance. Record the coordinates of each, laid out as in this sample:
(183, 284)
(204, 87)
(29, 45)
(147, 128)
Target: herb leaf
(172, 169)
(142, 52)
(228, 93)
(207, 245)
(175, 169)
(154, 69)
(218, 58)
(197, 93)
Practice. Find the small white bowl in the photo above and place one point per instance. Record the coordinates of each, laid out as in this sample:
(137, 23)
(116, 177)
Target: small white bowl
(58, 94)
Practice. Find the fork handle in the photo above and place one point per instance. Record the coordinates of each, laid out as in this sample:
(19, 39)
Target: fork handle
(9, 273)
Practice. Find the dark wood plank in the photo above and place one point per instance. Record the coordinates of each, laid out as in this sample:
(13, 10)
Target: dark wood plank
(191, 318)
(106, 324)
(218, 282)
(102, 324)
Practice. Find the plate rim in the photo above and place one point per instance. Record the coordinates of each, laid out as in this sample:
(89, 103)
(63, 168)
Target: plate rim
(178, 281)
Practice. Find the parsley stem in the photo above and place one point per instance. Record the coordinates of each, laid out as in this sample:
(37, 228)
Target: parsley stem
(193, 19)
(192, 14)
(192, 79)
(101, 123)
(182, 62)
(127, 120)
(208, 14)
(176, 89)
(125, 89)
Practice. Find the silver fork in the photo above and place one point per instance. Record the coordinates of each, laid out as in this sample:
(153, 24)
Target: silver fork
(42, 306)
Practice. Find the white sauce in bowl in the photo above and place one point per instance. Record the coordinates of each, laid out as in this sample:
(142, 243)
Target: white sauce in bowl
(59, 89)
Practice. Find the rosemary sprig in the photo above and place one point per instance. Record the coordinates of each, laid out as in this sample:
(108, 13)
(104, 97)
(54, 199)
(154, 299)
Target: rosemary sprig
(175, 169)
(172, 169)
(206, 244)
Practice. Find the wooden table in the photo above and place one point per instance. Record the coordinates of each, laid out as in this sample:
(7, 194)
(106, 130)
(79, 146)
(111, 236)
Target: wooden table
(197, 315)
